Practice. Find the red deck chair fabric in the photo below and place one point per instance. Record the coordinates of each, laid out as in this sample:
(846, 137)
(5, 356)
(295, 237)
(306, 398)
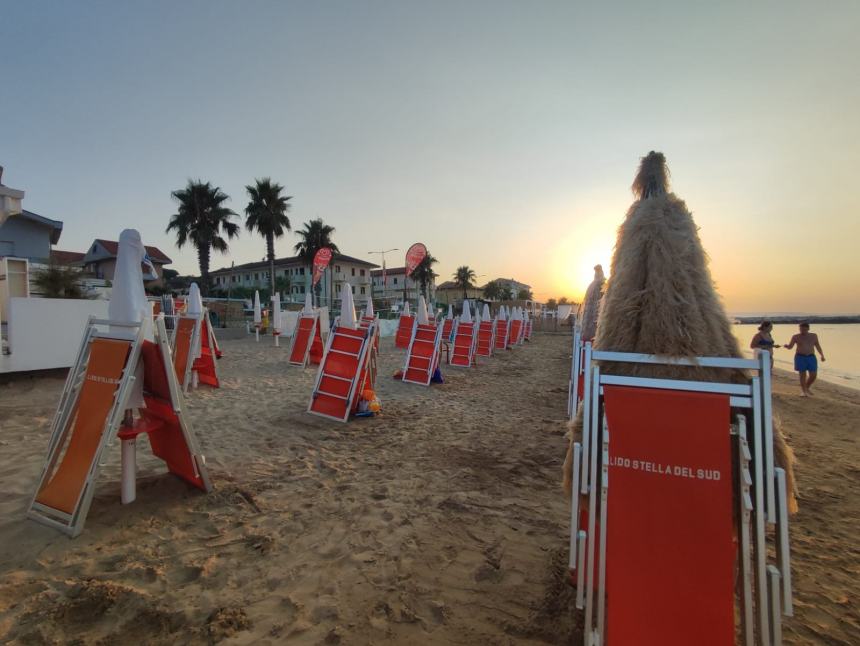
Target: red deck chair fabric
(105, 366)
(486, 341)
(302, 340)
(515, 331)
(160, 422)
(182, 347)
(502, 329)
(447, 328)
(669, 545)
(341, 367)
(364, 324)
(404, 331)
(423, 358)
(317, 349)
(204, 365)
(463, 350)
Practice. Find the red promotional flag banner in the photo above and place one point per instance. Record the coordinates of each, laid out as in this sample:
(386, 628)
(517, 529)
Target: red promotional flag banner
(414, 255)
(321, 260)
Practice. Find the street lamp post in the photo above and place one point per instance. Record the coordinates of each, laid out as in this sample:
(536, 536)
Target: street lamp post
(381, 253)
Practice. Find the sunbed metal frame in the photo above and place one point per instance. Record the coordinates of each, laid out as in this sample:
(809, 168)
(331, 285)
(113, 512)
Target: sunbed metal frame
(765, 587)
(73, 524)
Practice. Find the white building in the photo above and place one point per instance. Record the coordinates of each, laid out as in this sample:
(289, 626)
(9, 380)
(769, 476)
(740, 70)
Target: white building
(397, 287)
(293, 278)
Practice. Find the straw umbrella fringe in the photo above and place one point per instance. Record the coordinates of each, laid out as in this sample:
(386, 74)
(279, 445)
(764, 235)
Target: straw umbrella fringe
(660, 298)
(588, 313)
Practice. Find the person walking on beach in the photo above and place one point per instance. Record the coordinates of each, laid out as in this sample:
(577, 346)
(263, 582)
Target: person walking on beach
(805, 362)
(763, 340)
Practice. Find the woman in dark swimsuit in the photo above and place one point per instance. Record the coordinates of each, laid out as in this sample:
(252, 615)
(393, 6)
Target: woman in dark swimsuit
(763, 340)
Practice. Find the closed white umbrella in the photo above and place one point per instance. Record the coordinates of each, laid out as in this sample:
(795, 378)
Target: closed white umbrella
(465, 317)
(368, 312)
(276, 317)
(450, 312)
(128, 299)
(423, 318)
(485, 315)
(347, 307)
(309, 304)
(258, 315)
(406, 309)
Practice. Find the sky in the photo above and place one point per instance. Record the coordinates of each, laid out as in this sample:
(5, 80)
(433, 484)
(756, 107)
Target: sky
(502, 134)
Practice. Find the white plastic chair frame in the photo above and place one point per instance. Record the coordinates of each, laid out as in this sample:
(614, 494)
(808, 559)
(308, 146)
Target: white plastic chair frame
(771, 596)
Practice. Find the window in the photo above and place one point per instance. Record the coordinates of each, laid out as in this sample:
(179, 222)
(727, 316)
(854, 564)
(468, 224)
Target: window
(303, 289)
(362, 272)
(337, 268)
(395, 281)
(353, 271)
(247, 277)
(362, 291)
(302, 273)
(256, 276)
(352, 288)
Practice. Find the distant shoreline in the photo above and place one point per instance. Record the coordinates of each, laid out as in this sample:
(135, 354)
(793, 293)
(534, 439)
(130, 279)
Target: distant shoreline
(854, 318)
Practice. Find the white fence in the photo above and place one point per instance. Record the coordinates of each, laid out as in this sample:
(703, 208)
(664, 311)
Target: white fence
(45, 333)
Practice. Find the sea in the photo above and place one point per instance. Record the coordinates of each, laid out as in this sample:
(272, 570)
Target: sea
(840, 342)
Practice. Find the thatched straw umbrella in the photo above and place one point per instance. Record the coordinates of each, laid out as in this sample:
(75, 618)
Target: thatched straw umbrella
(590, 309)
(660, 298)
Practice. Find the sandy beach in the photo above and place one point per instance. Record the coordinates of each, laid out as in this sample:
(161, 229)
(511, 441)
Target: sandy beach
(441, 521)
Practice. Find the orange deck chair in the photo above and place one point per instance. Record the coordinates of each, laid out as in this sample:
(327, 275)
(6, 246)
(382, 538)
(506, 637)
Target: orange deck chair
(486, 335)
(463, 347)
(423, 355)
(404, 328)
(191, 331)
(205, 365)
(305, 337)
(344, 373)
(503, 328)
(515, 331)
(670, 504)
(90, 413)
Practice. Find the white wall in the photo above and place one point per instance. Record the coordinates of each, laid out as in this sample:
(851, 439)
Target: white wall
(45, 333)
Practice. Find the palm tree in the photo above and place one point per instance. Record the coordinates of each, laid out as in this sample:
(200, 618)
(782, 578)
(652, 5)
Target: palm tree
(424, 273)
(267, 215)
(201, 219)
(59, 282)
(492, 290)
(464, 278)
(315, 235)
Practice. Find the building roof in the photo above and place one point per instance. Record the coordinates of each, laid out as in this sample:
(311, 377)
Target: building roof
(155, 254)
(290, 260)
(450, 284)
(66, 257)
(56, 225)
(390, 271)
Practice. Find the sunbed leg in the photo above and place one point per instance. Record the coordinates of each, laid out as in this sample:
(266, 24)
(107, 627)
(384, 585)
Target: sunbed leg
(783, 550)
(580, 575)
(574, 506)
(745, 507)
(775, 610)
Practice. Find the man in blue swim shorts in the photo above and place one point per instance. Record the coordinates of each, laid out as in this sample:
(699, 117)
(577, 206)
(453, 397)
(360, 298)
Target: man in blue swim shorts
(805, 362)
